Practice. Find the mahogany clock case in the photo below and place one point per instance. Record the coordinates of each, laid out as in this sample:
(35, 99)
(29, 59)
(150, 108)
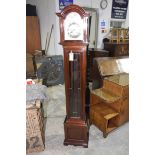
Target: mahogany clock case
(74, 47)
(84, 17)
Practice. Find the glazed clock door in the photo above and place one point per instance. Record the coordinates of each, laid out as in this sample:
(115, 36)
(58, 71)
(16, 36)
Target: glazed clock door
(74, 85)
(74, 62)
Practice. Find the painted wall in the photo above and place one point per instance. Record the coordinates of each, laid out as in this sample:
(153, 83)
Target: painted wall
(47, 17)
(103, 14)
(46, 11)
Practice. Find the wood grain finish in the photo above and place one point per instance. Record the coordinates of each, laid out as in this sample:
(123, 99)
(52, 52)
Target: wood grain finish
(62, 15)
(75, 124)
(111, 67)
(76, 132)
(109, 106)
(33, 39)
(94, 53)
(82, 51)
(117, 49)
(29, 64)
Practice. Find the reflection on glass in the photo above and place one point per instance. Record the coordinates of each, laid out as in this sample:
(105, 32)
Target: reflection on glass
(75, 98)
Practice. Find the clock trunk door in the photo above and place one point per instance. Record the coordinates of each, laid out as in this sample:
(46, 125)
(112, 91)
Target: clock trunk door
(75, 88)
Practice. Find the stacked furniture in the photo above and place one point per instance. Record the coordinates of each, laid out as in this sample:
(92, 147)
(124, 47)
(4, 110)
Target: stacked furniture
(117, 49)
(91, 54)
(119, 35)
(35, 127)
(109, 105)
(35, 135)
(29, 64)
(119, 42)
(33, 39)
(106, 66)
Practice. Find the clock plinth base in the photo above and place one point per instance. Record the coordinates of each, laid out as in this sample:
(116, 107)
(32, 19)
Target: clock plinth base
(76, 132)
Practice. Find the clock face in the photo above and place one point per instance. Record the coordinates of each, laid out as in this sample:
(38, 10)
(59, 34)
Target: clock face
(103, 4)
(73, 25)
(74, 30)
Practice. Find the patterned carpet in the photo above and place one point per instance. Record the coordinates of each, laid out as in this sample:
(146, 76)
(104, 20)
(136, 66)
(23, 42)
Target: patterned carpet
(117, 142)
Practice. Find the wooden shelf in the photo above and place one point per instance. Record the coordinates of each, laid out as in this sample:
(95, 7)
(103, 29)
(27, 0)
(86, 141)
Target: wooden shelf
(111, 127)
(105, 117)
(105, 95)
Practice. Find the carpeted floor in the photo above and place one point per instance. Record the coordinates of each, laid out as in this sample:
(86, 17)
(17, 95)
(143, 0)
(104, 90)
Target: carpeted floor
(117, 142)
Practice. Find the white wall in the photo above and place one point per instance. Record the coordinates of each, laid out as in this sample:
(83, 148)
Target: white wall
(103, 14)
(46, 11)
(47, 17)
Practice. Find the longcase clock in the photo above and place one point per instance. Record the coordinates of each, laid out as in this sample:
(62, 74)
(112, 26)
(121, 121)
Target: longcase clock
(74, 39)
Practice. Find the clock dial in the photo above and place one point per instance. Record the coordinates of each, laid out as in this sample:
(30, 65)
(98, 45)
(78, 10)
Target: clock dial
(73, 27)
(74, 30)
(103, 4)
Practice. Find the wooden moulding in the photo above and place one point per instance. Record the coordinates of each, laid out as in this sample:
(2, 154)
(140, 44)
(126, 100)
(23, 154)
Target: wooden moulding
(102, 116)
(109, 105)
(119, 35)
(106, 95)
(118, 84)
(76, 132)
(35, 136)
(33, 38)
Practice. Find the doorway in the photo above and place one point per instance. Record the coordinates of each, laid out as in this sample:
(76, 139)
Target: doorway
(93, 26)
